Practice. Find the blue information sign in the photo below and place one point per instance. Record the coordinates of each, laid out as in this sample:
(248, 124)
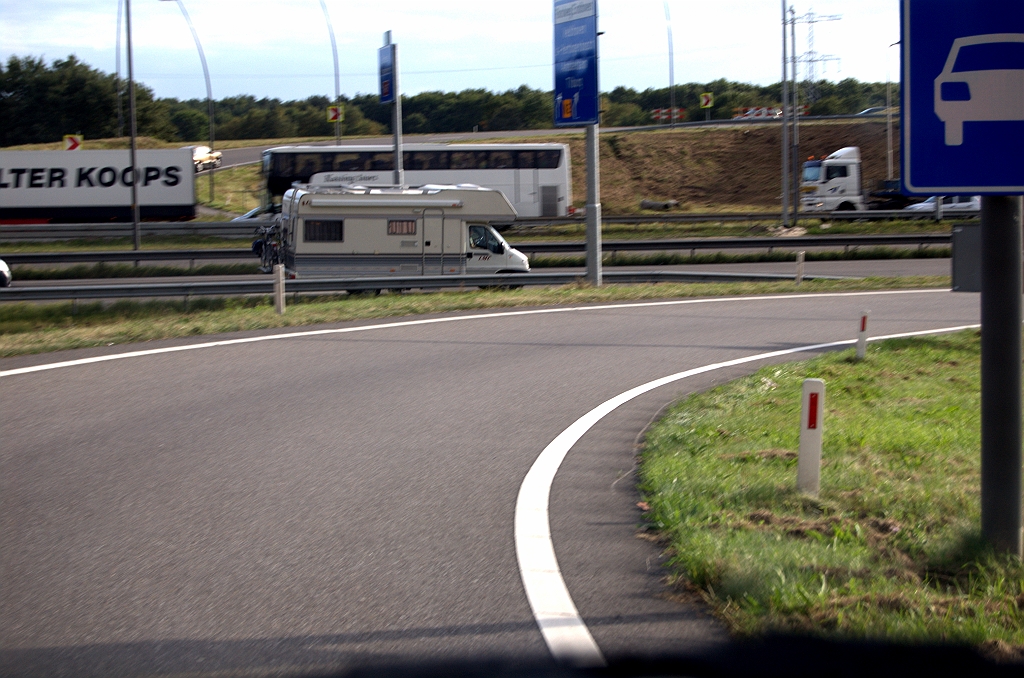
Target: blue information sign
(577, 101)
(962, 97)
(386, 58)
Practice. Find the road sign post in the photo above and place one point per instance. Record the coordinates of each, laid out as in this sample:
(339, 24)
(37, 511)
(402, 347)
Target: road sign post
(390, 94)
(707, 102)
(577, 104)
(962, 129)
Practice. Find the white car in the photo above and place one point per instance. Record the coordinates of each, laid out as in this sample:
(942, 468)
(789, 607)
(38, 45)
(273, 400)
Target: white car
(205, 158)
(5, 274)
(950, 203)
(983, 81)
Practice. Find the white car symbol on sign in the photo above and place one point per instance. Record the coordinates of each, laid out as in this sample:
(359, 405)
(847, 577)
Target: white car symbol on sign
(983, 81)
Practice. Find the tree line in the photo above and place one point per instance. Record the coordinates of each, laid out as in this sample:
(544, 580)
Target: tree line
(40, 103)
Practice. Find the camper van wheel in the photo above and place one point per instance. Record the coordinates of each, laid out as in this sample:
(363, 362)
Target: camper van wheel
(845, 207)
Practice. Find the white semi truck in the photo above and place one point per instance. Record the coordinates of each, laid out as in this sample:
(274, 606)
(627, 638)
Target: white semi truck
(340, 231)
(834, 183)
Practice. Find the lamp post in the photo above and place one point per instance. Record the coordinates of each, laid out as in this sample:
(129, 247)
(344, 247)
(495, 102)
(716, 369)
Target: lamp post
(337, 76)
(671, 71)
(206, 74)
(136, 211)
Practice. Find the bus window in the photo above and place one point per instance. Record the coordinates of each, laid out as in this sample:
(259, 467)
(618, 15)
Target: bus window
(426, 160)
(548, 159)
(463, 160)
(526, 159)
(500, 160)
(348, 162)
(306, 165)
(381, 161)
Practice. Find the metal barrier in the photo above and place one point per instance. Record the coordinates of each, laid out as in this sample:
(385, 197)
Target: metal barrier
(608, 246)
(187, 290)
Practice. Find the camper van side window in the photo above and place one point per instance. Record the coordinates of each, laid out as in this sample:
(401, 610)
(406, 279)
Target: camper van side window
(401, 227)
(323, 230)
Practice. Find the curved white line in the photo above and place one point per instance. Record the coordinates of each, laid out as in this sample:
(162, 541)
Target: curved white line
(564, 631)
(431, 321)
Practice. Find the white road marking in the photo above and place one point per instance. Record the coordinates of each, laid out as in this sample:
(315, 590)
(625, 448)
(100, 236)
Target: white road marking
(431, 321)
(564, 631)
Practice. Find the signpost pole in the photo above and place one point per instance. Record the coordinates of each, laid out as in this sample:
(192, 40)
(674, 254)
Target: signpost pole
(1001, 459)
(794, 117)
(390, 94)
(785, 125)
(593, 206)
(396, 123)
(577, 103)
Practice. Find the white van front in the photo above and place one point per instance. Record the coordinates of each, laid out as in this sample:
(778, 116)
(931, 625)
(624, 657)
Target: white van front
(487, 252)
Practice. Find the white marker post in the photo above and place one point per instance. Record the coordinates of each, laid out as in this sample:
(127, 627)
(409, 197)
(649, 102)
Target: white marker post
(800, 256)
(279, 288)
(862, 335)
(812, 410)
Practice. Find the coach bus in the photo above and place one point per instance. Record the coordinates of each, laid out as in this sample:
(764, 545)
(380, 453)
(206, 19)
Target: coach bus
(535, 178)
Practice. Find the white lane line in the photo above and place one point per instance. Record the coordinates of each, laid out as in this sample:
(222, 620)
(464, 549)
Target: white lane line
(431, 321)
(564, 631)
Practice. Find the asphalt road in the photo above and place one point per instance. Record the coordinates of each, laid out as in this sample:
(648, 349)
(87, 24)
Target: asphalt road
(321, 501)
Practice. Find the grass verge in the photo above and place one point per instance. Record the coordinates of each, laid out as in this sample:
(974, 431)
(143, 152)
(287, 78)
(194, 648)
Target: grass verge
(891, 549)
(103, 270)
(38, 328)
(674, 258)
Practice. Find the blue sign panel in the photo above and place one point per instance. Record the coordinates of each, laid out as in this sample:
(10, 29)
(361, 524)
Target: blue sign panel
(386, 58)
(576, 96)
(962, 97)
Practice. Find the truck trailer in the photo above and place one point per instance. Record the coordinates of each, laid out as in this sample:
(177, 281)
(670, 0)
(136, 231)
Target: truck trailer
(343, 230)
(94, 186)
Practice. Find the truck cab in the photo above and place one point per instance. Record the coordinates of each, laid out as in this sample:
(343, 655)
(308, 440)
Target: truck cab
(833, 183)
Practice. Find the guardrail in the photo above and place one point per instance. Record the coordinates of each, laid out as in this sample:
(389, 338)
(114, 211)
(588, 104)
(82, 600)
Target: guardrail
(608, 246)
(186, 290)
(51, 232)
(244, 229)
(692, 244)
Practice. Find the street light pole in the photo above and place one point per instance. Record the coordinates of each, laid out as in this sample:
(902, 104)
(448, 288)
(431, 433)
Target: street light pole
(206, 74)
(337, 76)
(671, 71)
(136, 231)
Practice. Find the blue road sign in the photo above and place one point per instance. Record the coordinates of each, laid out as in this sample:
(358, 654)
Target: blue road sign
(577, 101)
(962, 112)
(386, 58)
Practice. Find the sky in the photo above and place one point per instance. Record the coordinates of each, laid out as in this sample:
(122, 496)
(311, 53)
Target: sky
(282, 49)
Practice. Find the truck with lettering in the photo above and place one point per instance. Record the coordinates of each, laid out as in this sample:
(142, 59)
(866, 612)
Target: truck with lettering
(95, 186)
(834, 183)
(344, 230)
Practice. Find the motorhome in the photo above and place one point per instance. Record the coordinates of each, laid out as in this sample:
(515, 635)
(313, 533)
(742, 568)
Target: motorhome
(343, 230)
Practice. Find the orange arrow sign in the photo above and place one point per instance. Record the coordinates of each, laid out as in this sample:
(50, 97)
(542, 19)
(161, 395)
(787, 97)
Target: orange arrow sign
(73, 142)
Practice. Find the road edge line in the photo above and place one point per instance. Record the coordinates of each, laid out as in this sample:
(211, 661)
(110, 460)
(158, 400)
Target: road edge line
(564, 631)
